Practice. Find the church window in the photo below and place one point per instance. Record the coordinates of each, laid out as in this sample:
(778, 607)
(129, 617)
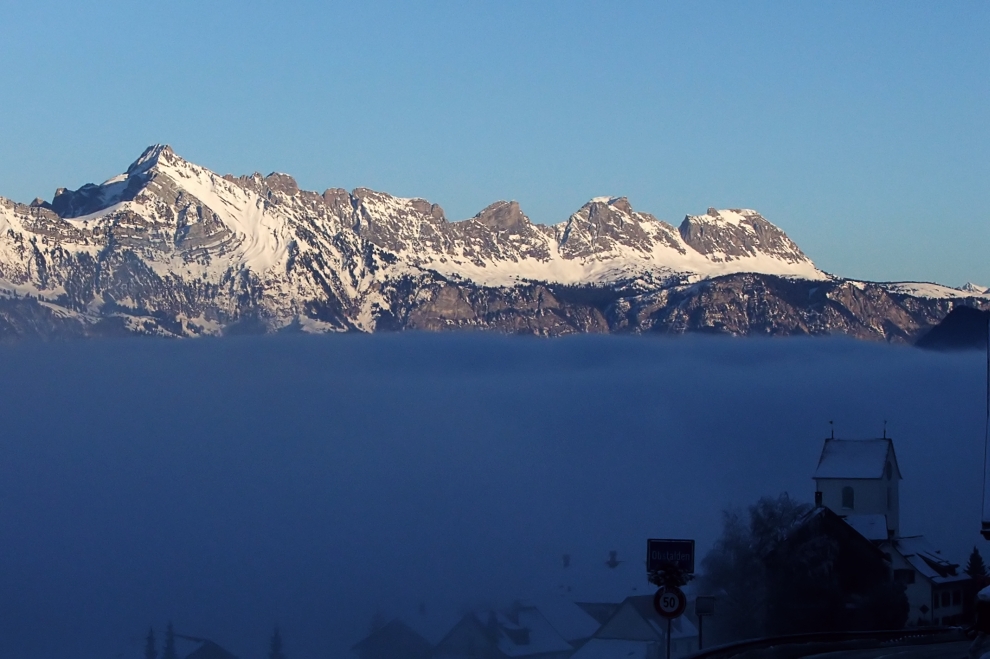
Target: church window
(890, 470)
(848, 498)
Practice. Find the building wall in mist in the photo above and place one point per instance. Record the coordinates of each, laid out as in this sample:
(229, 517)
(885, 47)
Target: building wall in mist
(872, 496)
(920, 594)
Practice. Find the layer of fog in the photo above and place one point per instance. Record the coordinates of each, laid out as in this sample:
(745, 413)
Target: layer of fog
(314, 482)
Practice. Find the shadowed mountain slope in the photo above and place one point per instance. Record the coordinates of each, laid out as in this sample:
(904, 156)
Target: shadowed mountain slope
(964, 328)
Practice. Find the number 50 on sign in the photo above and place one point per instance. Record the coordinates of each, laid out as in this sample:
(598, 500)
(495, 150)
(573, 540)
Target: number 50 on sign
(670, 602)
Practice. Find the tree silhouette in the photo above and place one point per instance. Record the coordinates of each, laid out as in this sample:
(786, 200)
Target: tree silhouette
(976, 567)
(276, 647)
(150, 651)
(169, 652)
(734, 569)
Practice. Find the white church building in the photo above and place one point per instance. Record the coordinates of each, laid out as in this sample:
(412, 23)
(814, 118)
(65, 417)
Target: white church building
(859, 480)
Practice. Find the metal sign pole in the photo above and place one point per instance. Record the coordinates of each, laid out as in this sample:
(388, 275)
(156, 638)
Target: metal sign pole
(669, 565)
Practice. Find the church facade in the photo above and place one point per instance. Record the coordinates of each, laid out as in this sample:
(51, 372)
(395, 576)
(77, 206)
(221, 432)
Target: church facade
(859, 480)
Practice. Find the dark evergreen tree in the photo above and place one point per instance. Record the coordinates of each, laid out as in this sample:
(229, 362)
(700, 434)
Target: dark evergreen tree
(150, 651)
(976, 567)
(276, 646)
(169, 652)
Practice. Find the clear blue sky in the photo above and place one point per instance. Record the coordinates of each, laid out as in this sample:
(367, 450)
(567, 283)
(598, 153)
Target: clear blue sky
(859, 128)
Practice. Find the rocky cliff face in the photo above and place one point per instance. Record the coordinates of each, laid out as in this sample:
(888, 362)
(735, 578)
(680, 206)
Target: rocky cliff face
(171, 248)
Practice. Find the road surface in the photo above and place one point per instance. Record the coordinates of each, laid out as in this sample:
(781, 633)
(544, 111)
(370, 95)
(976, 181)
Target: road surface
(954, 650)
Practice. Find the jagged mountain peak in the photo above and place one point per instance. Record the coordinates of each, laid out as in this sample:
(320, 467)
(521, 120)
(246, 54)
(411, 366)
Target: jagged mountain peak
(282, 183)
(93, 198)
(150, 157)
(377, 201)
(728, 216)
(171, 247)
(970, 287)
(503, 216)
(736, 233)
(606, 238)
(619, 203)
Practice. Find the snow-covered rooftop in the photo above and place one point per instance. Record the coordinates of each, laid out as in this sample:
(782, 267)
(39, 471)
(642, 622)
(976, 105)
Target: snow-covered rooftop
(854, 458)
(871, 527)
(928, 560)
(680, 627)
(528, 634)
(569, 619)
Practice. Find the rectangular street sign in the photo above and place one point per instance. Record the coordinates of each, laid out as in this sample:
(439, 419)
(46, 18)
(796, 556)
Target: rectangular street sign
(662, 553)
(704, 606)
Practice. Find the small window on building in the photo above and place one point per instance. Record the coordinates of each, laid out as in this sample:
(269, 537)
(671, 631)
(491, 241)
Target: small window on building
(890, 499)
(904, 576)
(957, 597)
(848, 498)
(935, 601)
(889, 470)
(946, 598)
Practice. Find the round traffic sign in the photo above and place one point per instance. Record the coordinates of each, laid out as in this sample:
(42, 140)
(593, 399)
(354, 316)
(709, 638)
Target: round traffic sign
(670, 602)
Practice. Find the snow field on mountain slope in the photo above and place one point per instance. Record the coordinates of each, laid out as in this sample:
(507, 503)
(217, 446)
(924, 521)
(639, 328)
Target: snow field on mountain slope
(263, 234)
(925, 289)
(726, 216)
(621, 262)
(7, 219)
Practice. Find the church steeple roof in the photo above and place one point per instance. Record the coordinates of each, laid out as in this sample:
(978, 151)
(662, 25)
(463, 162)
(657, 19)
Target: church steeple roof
(857, 458)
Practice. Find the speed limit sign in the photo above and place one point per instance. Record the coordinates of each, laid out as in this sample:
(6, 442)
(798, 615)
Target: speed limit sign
(670, 602)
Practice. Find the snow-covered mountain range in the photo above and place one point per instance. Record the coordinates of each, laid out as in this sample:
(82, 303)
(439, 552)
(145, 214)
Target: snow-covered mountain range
(171, 248)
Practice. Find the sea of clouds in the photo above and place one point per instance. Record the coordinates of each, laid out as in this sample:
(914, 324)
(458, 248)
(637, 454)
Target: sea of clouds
(314, 482)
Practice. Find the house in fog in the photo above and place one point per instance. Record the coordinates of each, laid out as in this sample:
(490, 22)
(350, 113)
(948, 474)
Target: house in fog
(521, 632)
(936, 587)
(570, 619)
(859, 480)
(821, 576)
(207, 649)
(635, 631)
(394, 640)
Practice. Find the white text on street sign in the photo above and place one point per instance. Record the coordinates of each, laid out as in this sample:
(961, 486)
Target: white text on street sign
(662, 554)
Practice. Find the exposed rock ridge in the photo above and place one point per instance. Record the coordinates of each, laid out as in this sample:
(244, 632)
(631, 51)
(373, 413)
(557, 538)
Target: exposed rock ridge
(172, 248)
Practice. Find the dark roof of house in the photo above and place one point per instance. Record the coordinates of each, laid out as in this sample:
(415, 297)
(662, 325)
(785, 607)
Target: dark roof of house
(394, 636)
(871, 527)
(600, 611)
(210, 650)
(824, 520)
